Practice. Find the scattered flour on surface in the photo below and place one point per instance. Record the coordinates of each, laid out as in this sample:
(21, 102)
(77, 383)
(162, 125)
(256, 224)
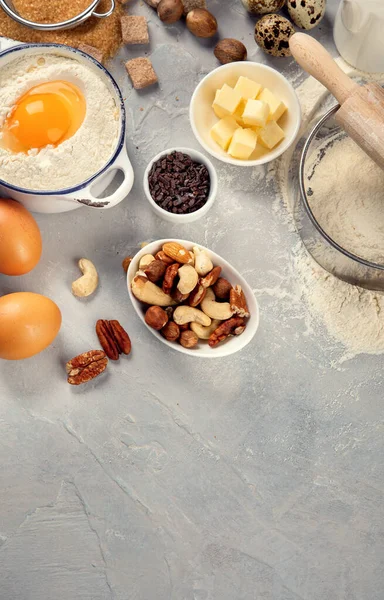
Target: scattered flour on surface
(353, 317)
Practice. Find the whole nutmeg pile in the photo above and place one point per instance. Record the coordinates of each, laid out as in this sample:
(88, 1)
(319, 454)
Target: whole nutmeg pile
(201, 23)
(186, 298)
(230, 50)
(170, 11)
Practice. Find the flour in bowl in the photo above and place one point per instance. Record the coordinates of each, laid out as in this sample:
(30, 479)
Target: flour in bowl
(80, 156)
(348, 200)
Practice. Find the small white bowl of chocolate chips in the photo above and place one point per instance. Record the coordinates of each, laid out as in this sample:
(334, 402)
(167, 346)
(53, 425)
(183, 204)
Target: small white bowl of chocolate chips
(180, 185)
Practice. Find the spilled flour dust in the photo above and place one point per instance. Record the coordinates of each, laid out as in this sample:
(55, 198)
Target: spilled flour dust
(352, 316)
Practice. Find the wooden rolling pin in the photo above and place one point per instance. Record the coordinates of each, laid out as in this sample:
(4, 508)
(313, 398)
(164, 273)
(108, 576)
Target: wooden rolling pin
(361, 113)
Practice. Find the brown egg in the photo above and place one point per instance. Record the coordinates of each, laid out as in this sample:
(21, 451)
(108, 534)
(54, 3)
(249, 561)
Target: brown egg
(20, 239)
(28, 324)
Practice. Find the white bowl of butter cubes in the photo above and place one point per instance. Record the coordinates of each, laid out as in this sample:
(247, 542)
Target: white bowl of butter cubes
(245, 113)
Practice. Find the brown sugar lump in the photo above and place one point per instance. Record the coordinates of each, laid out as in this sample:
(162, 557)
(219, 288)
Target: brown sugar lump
(192, 4)
(134, 30)
(141, 72)
(92, 51)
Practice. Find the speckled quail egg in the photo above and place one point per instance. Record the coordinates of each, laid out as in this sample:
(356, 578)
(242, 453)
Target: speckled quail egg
(272, 34)
(262, 7)
(306, 13)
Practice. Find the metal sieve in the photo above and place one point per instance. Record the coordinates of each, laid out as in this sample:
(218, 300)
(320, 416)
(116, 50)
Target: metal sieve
(309, 152)
(9, 8)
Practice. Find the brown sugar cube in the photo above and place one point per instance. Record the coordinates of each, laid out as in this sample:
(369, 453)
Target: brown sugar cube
(141, 72)
(94, 52)
(192, 4)
(134, 30)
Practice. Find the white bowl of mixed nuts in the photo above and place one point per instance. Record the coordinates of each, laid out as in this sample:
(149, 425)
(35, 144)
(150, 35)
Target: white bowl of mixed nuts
(180, 185)
(192, 299)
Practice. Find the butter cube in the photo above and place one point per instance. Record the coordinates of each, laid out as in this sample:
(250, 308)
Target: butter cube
(226, 101)
(247, 88)
(271, 135)
(256, 113)
(238, 114)
(276, 106)
(243, 143)
(223, 131)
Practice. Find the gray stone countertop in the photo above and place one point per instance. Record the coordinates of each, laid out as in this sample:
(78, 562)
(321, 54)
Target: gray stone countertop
(253, 477)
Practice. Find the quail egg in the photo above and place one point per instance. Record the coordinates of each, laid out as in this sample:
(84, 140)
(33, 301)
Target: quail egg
(262, 7)
(306, 13)
(272, 34)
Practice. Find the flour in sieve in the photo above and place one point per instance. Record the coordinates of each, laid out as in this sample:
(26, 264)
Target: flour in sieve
(352, 316)
(348, 200)
(77, 158)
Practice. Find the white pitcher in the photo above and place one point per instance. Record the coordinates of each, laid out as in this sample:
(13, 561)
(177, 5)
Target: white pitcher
(359, 34)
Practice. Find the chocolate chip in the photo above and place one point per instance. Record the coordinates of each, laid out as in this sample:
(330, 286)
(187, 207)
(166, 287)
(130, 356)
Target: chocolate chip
(178, 184)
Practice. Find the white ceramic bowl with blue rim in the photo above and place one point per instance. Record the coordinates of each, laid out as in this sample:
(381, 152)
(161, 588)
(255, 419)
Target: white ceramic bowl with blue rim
(203, 118)
(202, 350)
(85, 193)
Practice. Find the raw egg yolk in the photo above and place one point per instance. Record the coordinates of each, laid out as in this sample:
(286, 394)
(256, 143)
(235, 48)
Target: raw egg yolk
(48, 114)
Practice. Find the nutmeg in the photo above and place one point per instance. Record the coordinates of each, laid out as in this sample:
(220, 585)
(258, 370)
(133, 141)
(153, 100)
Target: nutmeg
(230, 50)
(201, 23)
(170, 11)
(156, 317)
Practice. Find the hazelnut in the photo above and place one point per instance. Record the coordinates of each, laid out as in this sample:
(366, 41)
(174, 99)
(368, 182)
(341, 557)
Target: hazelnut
(156, 317)
(222, 288)
(171, 331)
(230, 50)
(170, 11)
(188, 339)
(201, 23)
(155, 270)
(184, 327)
(126, 262)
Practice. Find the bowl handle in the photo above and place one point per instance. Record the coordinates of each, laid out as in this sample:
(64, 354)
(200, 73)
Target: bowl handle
(85, 196)
(107, 13)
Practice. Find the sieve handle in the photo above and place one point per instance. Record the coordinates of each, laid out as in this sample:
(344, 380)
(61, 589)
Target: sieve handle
(107, 13)
(316, 61)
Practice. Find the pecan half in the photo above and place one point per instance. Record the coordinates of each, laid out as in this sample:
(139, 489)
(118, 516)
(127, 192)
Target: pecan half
(164, 258)
(225, 329)
(197, 295)
(155, 270)
(86, 366)
(238, 302)
(211, 278)
(121, 337)
(113, 338)
(107, 339)
(169, 277)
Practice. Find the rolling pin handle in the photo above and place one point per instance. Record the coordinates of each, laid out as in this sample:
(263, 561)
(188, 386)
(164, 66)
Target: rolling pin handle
(315, 59)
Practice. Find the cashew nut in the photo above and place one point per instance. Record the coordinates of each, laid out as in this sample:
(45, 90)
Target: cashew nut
(216, 310)
(87, 284)
(188, 279)
(187, 314)
(145, 261)
(149, 293)
(204, 333)
(203, 263)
